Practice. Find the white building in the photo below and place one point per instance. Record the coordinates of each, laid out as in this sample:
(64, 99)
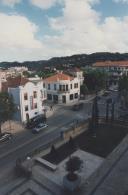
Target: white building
(29, 98)
(62, 88)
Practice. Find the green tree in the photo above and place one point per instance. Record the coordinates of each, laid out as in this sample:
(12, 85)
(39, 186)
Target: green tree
(123, 90)
(94, 121)
(73, 164)
(7, 107)
(95, 80)
(83, 89)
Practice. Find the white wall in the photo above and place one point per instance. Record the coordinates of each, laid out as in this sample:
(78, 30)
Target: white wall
(70, 91)
(29, 88)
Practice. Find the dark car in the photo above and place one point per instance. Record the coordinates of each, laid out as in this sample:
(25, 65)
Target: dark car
(33, 122)
(106, 93)
(5, 136)
(39, 128)
(77, 107)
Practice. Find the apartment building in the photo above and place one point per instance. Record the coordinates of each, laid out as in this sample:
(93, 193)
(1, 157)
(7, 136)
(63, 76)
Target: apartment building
(62, 88)
(28, 96)
(115, 70)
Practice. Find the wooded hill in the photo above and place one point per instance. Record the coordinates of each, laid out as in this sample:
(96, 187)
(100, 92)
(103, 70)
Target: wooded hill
(74, 60)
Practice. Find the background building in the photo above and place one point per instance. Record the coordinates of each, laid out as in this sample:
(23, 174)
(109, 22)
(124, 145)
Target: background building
(115, 70)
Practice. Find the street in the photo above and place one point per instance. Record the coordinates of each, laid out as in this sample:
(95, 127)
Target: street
(25, 142)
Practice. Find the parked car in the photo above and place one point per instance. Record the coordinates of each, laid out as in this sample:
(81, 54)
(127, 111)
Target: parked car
(5, 136)
(33, 122)
(39, 127)
(106, 93)
(77, 107)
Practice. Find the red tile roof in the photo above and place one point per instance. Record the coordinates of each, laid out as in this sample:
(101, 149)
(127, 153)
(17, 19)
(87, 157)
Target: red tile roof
(111, 63)
(59, 77)
(16, 81)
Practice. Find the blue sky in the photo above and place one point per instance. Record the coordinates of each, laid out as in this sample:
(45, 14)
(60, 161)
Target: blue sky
(41, 29)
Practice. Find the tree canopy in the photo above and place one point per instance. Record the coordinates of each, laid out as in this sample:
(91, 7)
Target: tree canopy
(95, 80)
(123, 90)
(7, 107)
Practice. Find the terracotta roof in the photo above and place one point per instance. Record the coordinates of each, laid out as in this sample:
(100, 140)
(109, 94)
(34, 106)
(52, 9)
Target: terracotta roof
(111, 63)
(16, 81)
(59, 77)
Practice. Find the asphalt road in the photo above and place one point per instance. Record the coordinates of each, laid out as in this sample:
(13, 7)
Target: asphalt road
(25, 142)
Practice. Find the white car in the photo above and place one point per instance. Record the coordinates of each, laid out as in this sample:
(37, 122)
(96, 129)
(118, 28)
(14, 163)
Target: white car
(5, 136)
(39, 127)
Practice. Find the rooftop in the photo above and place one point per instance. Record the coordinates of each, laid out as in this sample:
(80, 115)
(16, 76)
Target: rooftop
(16, 81)
(59, 77)
(111, 63)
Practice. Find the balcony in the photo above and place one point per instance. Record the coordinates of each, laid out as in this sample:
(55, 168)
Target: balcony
(63, 91)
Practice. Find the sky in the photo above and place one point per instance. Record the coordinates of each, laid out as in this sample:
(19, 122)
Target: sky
(41, 29)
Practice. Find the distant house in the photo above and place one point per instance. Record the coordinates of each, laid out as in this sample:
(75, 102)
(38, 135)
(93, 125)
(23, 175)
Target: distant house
(62, 88)
(28, 96)
(115, 69)
(77, 72)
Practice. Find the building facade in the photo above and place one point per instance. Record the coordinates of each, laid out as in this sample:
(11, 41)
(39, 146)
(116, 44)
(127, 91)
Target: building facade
(62, 88)
(115, 70)
(29, 99)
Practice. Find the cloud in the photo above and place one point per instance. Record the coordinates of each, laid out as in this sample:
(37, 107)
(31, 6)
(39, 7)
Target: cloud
(79, 29)
(10, 3)
(44, 4)
(17, 34)
(83, 30)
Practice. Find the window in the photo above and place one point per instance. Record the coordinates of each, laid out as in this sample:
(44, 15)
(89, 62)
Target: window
(25, 96)
(60, 87)
(48, 86)
(63, 87)
(49, 96)
(75, 85)
(71, 96)
(76, 95)
(54, 86)
(26, 108)
(44, 85)
(66, 87)
(71, 86)
(35, 105)
(35, 94)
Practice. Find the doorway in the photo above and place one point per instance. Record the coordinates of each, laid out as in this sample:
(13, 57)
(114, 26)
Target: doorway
(64, 99)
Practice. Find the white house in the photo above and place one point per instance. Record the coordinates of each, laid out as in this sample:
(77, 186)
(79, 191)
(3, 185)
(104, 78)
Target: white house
(29, 97)
(62, 88)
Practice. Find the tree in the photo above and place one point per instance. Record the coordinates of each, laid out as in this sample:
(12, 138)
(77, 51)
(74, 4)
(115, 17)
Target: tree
(83, 89)
(95, 80)
(94, 122)
(112, 111)
(107, 110)
(7, 107)
(123, 90)
(72, 165)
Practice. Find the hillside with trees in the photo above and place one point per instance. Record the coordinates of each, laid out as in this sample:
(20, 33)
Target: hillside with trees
(74, 60)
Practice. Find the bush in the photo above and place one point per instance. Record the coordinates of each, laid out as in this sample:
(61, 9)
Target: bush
(73, 164)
